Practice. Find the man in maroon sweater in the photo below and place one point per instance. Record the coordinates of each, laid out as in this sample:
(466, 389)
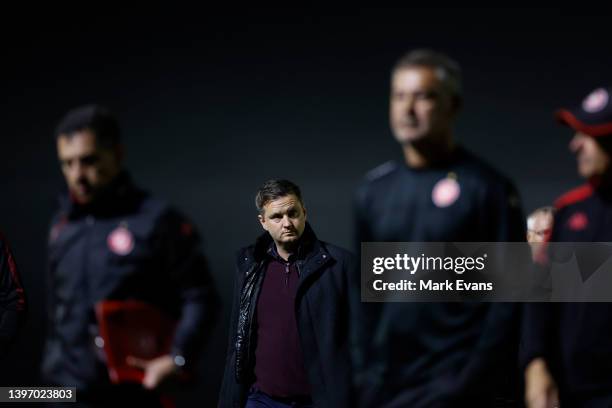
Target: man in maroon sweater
(289, 335)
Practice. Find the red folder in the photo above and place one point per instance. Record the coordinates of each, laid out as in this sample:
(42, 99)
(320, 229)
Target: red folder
(132, 328)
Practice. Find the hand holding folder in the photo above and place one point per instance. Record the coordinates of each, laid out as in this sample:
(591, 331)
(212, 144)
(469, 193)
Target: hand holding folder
(134, 334)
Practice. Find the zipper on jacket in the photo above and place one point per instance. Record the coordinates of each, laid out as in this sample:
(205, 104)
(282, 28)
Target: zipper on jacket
(254, 298)
(287, 274)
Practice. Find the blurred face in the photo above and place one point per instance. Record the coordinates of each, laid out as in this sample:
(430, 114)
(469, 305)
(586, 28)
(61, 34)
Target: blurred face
(421, 106)
(285, 220)
(87, 167)
(540, 228)
(592, 159)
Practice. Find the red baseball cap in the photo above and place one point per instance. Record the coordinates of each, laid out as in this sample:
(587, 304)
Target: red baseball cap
(593, 116)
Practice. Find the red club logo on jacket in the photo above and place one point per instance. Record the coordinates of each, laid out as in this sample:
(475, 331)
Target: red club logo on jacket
(596, 101)
(578, 221)
(445, 192)
(120, 241)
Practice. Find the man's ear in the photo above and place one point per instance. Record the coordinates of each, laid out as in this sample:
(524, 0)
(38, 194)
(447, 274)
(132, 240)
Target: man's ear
(305, 213)
(262, 221)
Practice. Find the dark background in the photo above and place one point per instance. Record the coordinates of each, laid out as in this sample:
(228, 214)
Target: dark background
(212, 103)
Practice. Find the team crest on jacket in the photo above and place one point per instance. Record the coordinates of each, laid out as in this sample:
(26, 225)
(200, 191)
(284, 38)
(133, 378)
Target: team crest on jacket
(445, 192)
(596, 101)
(120, 241)
(578, 221)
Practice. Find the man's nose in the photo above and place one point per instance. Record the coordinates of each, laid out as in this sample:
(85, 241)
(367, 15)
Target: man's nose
(286, 221)
(410, 104)
(76, 171)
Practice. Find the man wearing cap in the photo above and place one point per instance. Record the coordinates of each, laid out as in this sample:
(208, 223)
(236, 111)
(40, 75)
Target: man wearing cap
(289, 333)
(568, 346)
(435, 354)
(539, 227)
(110, 240)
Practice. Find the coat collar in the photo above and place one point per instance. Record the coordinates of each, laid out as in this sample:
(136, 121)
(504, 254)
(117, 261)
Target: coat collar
(121, 196)
(308, 245)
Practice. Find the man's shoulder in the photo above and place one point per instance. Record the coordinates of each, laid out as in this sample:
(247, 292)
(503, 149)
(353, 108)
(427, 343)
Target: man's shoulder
(60, 216)
(483, 177)
(153, 204)
(376, 178)
(338, 253)
(166, 219)
(574, 196)
(251, 253)
(483, 170)
(573, 216)
(381, 172)
(161, 210)
(245, 253)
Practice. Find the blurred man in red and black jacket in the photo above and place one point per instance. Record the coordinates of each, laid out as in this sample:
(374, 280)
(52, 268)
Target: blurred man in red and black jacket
(12, 299)
(111, 240)
(568, 346)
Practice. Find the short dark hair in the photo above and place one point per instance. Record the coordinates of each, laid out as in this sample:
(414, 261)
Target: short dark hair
(447, 69)
(95, 118)
(274, 189)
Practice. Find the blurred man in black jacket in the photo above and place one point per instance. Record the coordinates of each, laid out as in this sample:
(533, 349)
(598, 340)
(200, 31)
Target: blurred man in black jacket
(111, 240)
(568, 346)
(435, 354)
(289, 343)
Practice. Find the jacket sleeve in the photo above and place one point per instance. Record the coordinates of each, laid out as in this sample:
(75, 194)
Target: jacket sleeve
(12, 299)
(361, 232)
(502, 213)
(496, 348)
(538, 326)
(229, 386)
(182, 257)
(357, 328)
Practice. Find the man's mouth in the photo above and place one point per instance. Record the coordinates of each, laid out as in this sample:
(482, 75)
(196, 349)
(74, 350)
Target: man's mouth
(82, 189)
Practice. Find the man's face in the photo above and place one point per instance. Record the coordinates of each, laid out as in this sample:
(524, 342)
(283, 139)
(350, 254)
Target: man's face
(591, 158)
(87, 167)
(421, 106)
(285, 219)
(540, 228)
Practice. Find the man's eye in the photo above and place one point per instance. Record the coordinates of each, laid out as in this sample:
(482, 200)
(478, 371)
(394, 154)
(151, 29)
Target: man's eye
(89, 160)
(430, 95)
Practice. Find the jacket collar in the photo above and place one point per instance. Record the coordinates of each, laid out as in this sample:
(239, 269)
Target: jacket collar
(311, 256)
(121, 196)
(308, 245)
